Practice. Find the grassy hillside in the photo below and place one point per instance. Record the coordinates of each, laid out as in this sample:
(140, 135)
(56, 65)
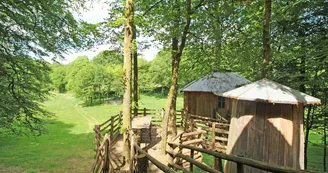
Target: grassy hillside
(68, 145)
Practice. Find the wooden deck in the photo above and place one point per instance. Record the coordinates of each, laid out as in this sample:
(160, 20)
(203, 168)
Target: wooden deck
(152, 146)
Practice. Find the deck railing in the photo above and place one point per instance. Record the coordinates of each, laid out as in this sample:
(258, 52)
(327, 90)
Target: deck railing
(102, 158)
(215, 132)
(111, 127)
(157, 115)
(240, 161)
(140, 158)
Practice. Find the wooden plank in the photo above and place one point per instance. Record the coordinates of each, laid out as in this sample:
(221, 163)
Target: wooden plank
(218, 138)
(157, 163)
(184, 170)
(195, 141)
(198, 164)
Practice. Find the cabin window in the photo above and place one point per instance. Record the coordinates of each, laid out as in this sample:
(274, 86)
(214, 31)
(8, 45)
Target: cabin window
(221, 102)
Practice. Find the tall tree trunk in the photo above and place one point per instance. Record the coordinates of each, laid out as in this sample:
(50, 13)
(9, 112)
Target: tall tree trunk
(135, 69)
(171, 100)
(127, 70)
(325, 134)
(308, 127)
(266, 38)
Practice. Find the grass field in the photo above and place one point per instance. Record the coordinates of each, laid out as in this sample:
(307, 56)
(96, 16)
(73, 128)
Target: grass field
(68, 145)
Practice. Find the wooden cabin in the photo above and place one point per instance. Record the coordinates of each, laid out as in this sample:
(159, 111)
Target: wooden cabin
(203, 97)
(267, 124)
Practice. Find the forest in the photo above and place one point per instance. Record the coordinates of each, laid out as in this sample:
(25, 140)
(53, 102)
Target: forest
(284, 41)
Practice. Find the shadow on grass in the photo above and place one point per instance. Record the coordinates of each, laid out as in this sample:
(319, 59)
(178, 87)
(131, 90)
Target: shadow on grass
(61, 147)
(158, 95)
(97, 102)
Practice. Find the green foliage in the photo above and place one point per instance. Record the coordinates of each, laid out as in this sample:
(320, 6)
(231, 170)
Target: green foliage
(31, 30)
(58, 77)
(108, 57)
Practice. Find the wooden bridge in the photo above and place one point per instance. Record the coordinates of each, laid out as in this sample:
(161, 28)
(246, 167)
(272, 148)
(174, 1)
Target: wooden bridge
(199, 135)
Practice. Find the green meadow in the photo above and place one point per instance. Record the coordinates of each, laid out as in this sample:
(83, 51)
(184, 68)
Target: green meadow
(68, 144)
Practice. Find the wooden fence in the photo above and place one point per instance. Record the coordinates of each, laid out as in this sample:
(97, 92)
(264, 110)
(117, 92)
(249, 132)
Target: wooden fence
(215, 132)
(111, 127)
(240, 161)
(102, 158)
(157, 115)
(140, 158)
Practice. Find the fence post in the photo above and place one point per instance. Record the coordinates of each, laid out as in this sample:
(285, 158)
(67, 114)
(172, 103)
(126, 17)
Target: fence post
(106, 157)
(144, 112)
(217, 161)
(111, 126)
(142, 161)
(120, 118)
(191, 125)
(97, 136)
(192, 157)
(135, 113)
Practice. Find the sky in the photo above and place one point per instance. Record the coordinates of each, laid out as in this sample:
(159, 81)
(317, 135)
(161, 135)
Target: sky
(96, 13)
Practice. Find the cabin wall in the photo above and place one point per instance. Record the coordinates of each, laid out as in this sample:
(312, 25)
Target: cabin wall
(204, 104)
(267, 132)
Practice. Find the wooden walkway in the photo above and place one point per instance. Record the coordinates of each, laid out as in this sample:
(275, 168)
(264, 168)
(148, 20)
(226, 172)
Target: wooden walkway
(152, 146)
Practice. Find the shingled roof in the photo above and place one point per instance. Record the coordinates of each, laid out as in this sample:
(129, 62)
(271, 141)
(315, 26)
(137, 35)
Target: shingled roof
(217, 83)
(269, 91)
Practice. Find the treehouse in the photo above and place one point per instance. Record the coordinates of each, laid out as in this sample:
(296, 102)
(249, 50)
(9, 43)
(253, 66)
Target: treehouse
(203, 97)
(267, 124)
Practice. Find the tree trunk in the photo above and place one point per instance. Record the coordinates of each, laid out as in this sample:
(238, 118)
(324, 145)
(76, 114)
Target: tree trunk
(308, 126)
(127, 70)
(171, 100)
(325, 134)
(135, 69)
(266, 38)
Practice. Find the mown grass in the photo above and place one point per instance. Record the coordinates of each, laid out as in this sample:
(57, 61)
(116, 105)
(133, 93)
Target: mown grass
(68, 145)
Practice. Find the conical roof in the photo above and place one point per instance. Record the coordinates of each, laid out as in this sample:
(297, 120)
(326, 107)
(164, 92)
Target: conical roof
(217, 83)
(269, 91)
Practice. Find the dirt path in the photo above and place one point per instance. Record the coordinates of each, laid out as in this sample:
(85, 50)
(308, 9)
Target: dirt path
(91, 121)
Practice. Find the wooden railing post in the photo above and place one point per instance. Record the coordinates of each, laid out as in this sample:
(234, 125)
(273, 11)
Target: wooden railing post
(217, 161)
(144, 112)
(142, 160)
(111, 126)
(191, 168)
(97, 136)
(106, 157)
(120, 118)
(135, 111)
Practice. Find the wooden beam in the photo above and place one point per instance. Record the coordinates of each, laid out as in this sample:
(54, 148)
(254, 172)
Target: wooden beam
(160, 165)
(192, 161)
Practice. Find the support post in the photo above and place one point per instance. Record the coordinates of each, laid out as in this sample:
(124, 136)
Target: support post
(142, 160)
(97, 137)
(144, 112)
(135, 111)
(111, 127)
(191, 168)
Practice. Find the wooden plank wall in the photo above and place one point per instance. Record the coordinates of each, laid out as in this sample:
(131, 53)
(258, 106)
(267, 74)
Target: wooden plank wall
(266, 132)
(204, 104)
